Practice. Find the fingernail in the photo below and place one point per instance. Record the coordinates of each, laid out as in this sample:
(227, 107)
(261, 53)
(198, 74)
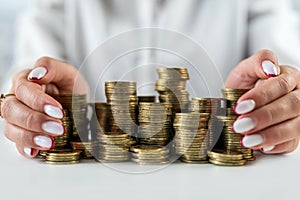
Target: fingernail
(37, 73)
(53, 128)
(267, 148)
(43, 141)
(243, 125)
(270, 69)
(28, 151)
(53, 111)
(252, 140)
(244, 107)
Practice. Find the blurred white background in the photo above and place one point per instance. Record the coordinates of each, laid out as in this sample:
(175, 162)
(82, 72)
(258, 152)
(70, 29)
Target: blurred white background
(9, 11)
(8, 14)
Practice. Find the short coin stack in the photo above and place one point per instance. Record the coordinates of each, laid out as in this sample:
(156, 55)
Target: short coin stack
(155, 121)
(191, 137)
(121, 106)
(63, 157)
(74, 121)
(85, 147)
(171, 87)
(114, 147)
(149, 154)
(76, 104)
(227, 158)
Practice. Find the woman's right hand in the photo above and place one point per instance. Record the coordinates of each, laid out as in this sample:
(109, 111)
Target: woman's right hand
(32, 116)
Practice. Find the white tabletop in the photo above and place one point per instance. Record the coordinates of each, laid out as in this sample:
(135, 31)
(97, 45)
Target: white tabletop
(269, 177)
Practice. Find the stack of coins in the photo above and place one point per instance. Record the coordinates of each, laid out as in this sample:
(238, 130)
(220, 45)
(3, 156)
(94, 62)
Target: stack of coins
(86, 148)
(171, 87)
(121, 106)
(233, 96)
(227, 158)
(63, 157)
(214, 106)
(191, 137)
(76, 104)
(146, 99)
(155, 121)
(114, 147)
(149, 154)
(102, 115)
(62, 141)
(230, 141)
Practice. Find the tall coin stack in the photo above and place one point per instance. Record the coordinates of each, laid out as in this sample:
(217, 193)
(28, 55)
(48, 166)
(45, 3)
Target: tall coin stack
(191, 137)
(121, 107)
(102, 115)
(114, 147)
(171, 87)
(155, 121)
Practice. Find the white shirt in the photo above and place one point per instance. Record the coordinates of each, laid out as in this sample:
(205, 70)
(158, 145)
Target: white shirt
(229, 30)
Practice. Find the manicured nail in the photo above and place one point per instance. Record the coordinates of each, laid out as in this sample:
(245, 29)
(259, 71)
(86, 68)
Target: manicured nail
(53, 128)
(43, 141)
(270, 69)
(53, 111)
(252, 140)
(37, 73)
(243, 125)
(267, 148)
(244, 107)
(28, 151)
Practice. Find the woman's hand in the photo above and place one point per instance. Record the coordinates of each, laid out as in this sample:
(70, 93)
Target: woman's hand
(32, 116)
(270, 111)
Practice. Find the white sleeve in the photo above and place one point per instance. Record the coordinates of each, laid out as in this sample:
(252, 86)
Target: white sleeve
(274, 25)
(40, 32)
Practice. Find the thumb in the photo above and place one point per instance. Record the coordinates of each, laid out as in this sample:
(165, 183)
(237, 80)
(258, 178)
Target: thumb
(63, 75)
(261, 65)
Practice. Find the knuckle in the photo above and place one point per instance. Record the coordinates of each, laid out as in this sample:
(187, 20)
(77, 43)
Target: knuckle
(6, 108)
(36, 101)
(33, 121)
(7, 132)
(292, 145)
(19, 89)
(266, 53)
(283, 83)
(270, 115)
(45, 61)
(264, 95)
(294, 101)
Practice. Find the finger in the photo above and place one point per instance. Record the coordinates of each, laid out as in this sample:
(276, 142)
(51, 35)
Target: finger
(27, 138)
(27, 152)
(274, 135)
(19, 114)
(286, 147)
(33, 95)
(262, 65)
(281, 133)
(269, 90)
(48, 70)
(287, 107)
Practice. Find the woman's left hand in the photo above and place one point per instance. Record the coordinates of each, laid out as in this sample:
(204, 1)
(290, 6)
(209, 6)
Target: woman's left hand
(270, 111)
